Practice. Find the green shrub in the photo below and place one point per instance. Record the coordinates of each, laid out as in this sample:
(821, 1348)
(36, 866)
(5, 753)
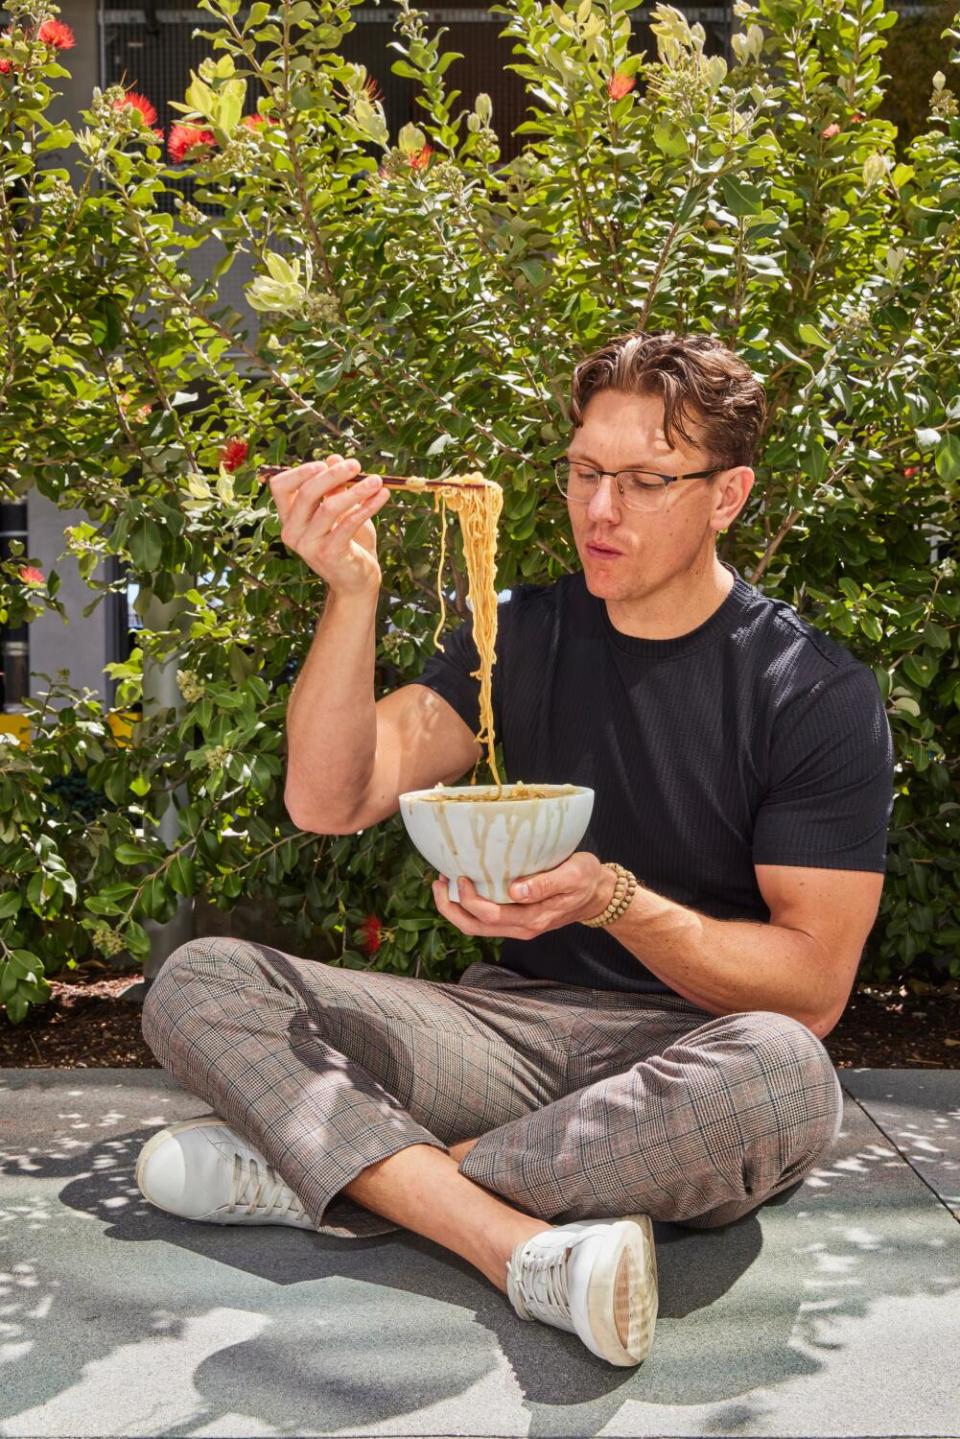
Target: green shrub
(423, 304)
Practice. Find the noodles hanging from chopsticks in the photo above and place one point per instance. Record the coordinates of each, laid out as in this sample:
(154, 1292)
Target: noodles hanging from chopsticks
(478, 511)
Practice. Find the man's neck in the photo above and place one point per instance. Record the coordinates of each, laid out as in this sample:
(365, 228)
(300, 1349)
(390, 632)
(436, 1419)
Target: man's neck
(674, 611)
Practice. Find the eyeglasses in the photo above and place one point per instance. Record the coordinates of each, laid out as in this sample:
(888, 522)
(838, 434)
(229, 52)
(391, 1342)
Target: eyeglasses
(638, 489)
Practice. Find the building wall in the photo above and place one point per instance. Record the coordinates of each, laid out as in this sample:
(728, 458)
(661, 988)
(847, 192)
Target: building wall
(82, 61)
(83, 647)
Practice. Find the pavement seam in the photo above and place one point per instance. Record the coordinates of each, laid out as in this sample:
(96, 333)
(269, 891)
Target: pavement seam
(902, 1153)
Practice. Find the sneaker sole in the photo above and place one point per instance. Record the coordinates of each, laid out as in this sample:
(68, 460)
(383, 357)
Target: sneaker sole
(623, 1297)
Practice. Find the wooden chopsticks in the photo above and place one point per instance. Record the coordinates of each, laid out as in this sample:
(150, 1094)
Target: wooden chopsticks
(392, 482)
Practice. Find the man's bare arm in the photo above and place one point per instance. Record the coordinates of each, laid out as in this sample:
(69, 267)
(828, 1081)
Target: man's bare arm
(802, 963)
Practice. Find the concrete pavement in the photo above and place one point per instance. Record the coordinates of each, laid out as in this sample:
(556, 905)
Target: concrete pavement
(832, 1312)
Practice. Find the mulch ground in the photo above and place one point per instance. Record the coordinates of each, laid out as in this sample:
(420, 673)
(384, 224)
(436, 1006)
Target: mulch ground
(87, 1024)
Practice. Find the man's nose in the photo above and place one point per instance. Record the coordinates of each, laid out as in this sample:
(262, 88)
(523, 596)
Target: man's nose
(605, 499)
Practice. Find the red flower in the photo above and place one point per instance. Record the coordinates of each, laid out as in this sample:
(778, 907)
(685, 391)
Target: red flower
(858, 118)
(233, 454)
(5, 67)
(421, 159)
(133, 101)
(371, 929)
(54, 33)
(185, 138)
(256, 122)
(31, 575)
(829, 131)
(620, 84)
(910, 471)
(373, 90)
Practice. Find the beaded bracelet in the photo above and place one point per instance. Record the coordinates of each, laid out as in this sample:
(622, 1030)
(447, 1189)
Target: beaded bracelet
(626, 887)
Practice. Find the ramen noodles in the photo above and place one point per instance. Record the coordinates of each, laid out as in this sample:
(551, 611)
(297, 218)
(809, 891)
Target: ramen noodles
(478, 510)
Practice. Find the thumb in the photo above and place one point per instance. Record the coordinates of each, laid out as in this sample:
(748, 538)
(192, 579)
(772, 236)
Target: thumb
(526, 889)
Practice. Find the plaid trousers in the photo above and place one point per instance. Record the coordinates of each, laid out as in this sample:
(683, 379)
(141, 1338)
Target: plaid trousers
(587, 1102)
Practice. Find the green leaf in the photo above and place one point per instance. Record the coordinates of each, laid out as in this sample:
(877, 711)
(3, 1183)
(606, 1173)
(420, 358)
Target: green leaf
(947, 460)
(10, 902)
(17, 1009)
(810, 335)
(921, 670)
(137, 940)
(145, 543)
(129, 854)
(740, 197)
(181, 875)
(106, 325)
(669, 138)
(883, 681)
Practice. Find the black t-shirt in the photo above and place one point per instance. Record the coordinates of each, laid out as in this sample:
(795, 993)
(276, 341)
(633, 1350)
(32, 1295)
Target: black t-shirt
(753, 739)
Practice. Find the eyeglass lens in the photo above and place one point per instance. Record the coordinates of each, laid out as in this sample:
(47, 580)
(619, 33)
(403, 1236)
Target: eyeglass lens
(638, 489)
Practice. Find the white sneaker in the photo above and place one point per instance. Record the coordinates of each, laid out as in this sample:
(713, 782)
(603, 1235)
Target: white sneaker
(596, 1278)
(203, 1169)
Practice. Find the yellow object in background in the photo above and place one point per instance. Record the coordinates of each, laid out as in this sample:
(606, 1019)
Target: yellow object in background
(121, 725)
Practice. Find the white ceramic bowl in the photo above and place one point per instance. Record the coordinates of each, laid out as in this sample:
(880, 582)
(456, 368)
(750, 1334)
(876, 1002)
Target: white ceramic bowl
(494, 842)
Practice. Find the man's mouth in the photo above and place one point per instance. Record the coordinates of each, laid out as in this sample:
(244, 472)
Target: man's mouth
(601, 549)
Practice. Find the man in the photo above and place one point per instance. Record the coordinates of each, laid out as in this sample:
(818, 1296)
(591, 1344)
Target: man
(644, 1051)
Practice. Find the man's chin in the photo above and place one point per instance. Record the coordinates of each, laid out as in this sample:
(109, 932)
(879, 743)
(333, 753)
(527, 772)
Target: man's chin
(604, 587)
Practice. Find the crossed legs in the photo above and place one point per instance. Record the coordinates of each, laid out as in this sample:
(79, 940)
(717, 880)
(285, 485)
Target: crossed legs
(368, 1085)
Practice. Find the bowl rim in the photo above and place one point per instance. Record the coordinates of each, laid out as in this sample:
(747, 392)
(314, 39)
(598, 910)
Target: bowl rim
(579, 789)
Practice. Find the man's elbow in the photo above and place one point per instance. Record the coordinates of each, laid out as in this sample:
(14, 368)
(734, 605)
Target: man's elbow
(822, 1026)
(828, 1019)
(312, 823)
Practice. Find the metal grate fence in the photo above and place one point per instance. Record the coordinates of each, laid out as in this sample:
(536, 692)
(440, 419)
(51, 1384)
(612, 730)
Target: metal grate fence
(154, 50)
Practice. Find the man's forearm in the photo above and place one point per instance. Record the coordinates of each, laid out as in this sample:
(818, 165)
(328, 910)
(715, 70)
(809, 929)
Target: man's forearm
(727, 966)
(331, 715)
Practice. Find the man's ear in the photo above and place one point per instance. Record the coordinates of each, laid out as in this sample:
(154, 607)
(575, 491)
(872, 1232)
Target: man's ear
(732, 493)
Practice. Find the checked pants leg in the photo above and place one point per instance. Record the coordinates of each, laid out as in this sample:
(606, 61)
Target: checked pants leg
(325, 1071)
(725, 1115)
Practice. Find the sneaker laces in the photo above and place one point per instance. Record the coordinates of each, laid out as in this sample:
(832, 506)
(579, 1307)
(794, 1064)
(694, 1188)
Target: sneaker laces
(245, 1181)
(538, 1287)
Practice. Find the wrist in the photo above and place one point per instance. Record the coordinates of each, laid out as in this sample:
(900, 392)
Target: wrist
(625, 886)
(604, 892)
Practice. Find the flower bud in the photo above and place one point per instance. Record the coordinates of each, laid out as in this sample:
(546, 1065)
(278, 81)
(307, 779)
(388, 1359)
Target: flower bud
(875, 168)
(411, 139)
(894, 261)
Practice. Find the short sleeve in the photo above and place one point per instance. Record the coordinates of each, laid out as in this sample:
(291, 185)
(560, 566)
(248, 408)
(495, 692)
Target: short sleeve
(449, 671)
(830, 795)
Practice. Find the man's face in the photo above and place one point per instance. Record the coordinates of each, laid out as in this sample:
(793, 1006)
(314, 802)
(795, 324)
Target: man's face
(622, 432)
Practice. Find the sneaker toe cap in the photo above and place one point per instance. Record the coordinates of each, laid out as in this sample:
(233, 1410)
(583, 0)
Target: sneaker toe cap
(162, 1176)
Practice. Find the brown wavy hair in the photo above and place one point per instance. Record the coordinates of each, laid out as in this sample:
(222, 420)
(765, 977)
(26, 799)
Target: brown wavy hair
(699, 380)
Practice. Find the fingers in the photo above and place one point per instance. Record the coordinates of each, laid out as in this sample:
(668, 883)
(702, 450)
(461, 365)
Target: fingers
(349, 506)
(317, 478)
(483, 918)
(320, 506)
